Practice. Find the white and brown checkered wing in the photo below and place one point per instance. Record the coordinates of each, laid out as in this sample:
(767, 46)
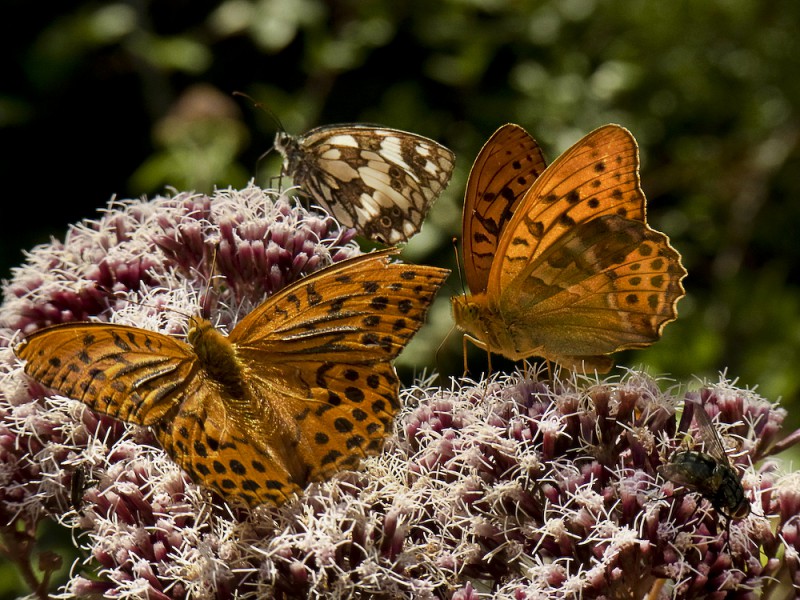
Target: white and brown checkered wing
(378, 180)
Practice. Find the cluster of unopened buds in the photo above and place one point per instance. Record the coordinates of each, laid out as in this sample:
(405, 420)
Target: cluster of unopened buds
(516, 486)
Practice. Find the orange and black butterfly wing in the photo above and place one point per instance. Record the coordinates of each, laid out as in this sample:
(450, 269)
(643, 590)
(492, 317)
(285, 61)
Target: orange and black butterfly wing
(210, 441)
(322, 348)
(597, 176)
(309, 388)
(128, 373)
(611, 284)
(151, 379)
(507, 165)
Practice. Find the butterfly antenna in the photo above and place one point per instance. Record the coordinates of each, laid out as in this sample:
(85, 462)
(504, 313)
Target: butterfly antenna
(264, 107)
(205, 299)
(438, 351)
(271, 114)
(458, 265)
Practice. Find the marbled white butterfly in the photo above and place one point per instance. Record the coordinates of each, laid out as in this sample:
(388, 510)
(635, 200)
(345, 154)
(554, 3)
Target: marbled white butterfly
(378, 180)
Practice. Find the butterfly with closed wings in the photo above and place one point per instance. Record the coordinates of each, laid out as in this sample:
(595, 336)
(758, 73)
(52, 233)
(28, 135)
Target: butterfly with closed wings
(301, 388)
(560, 261)
(377, 180)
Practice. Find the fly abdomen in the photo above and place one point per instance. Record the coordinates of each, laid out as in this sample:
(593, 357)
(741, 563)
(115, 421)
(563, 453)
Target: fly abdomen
(729, 498)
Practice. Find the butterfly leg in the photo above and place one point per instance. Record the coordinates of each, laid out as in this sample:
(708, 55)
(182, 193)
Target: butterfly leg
(479, 344)
(277, 178)
(535, 370)
(464, 350)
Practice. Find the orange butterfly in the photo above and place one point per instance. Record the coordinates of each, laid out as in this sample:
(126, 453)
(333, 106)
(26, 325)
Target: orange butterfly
(301, 388)
(560, 261)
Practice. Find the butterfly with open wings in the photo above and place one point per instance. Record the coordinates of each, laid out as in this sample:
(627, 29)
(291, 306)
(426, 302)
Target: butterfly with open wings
(301, 388)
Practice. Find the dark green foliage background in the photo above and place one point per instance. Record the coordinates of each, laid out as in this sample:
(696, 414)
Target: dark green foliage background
(125, 99)
(102, 99)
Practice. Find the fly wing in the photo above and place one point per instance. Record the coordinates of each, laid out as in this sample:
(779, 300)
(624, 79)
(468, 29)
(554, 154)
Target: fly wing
(708, 432)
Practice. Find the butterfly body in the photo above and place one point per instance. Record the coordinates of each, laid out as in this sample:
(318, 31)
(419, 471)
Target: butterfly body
(216, 356)
(559, 259)
(301, 388)
(378, 180)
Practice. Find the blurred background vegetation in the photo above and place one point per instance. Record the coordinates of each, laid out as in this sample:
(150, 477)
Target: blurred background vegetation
(103, 99)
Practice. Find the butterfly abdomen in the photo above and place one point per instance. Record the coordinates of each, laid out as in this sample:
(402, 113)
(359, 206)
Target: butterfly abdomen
(217, 356)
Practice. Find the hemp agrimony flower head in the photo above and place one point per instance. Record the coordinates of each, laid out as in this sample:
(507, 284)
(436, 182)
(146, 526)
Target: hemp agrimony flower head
(551, 490)
(124, 267)
(506, 488)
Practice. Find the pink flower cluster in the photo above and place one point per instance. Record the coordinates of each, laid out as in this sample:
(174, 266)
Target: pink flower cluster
(511, 488)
